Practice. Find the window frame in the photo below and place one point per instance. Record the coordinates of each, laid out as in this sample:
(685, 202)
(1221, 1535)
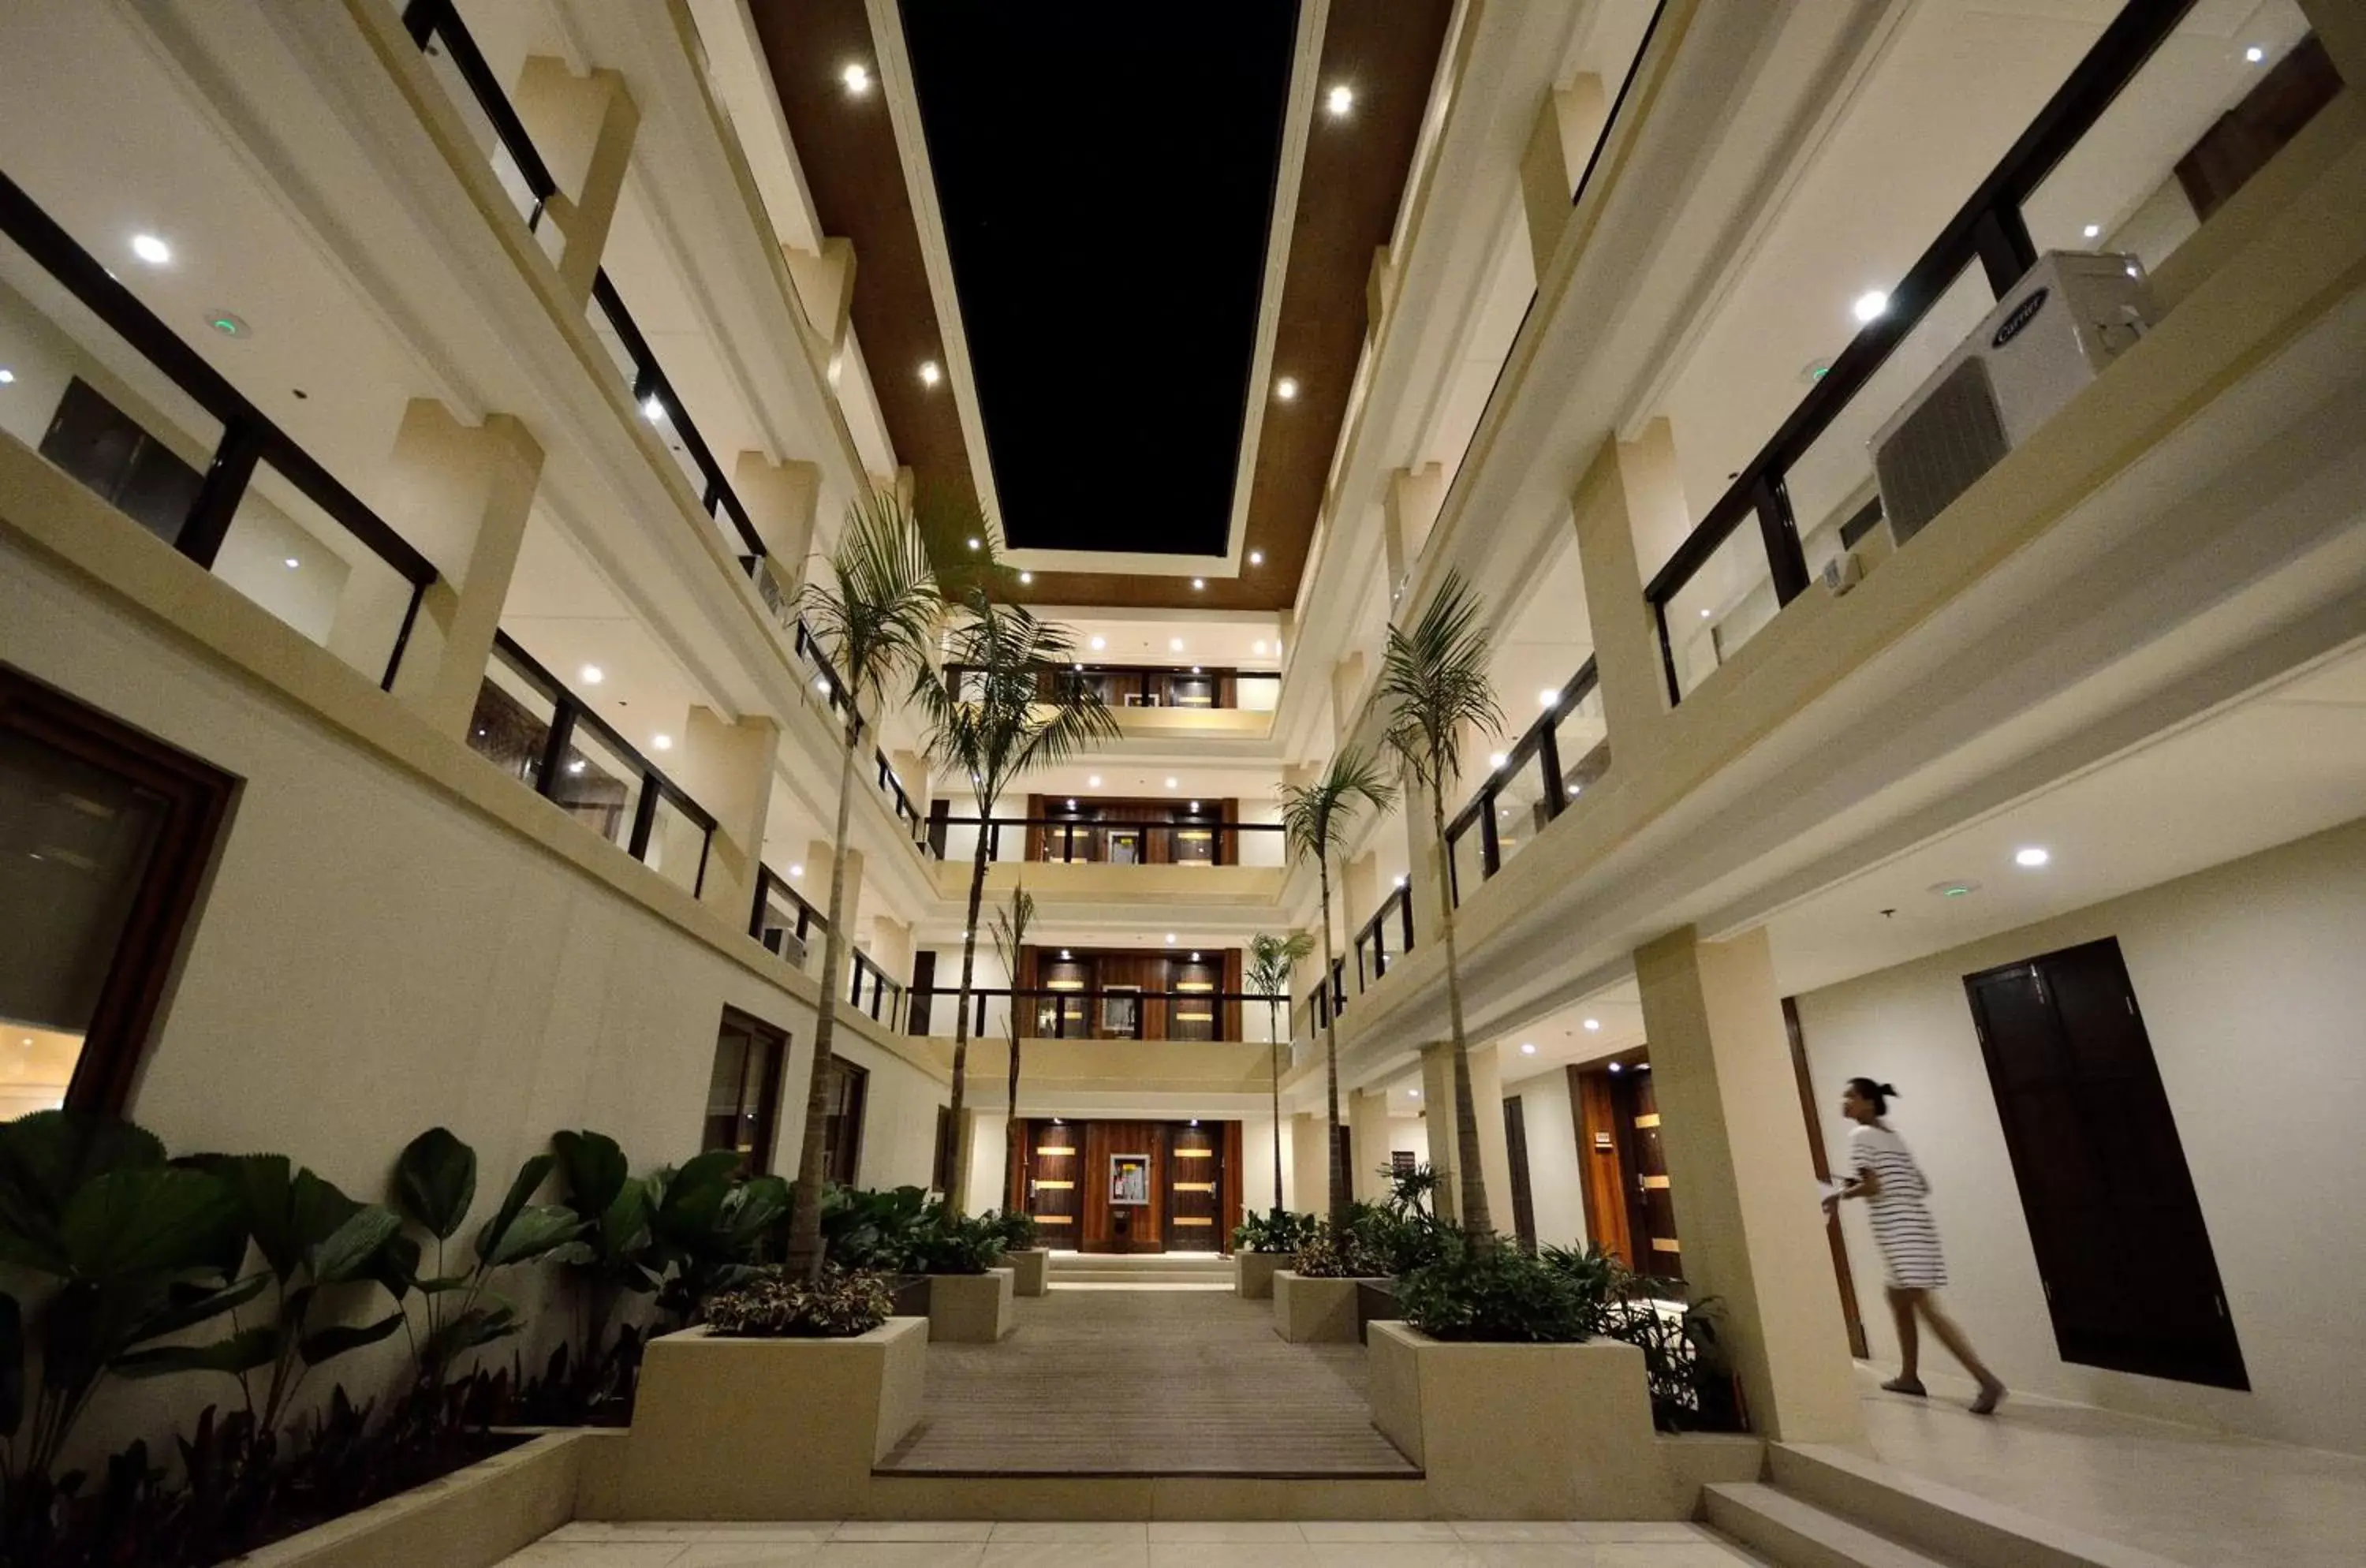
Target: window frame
(775, 1040)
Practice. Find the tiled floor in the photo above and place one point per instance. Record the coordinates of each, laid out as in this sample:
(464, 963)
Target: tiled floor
(1347, 1544)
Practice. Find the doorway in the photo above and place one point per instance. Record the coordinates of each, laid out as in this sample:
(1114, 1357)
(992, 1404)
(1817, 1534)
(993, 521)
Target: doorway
(2131, 1281)
(1629, 1207)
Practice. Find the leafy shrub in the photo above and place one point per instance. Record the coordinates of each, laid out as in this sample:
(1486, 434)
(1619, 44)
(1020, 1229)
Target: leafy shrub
(1276, 1231)
(777, 1305)
(1019, 1231)
(1692, 1386)
(1333, 1253)
(864, 1229)
(1496, 1293)
(948, 1243)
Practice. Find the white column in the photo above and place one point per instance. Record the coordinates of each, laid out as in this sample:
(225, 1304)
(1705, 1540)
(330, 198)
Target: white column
(727, 768)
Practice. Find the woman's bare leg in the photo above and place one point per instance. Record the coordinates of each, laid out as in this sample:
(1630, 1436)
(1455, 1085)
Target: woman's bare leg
(1991, 1387)
(1909, 1339)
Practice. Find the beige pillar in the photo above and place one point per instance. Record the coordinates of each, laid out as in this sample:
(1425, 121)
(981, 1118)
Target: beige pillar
(1737, 1155)
(1568, 123)
(1379, 293)
(824, 286)
(1437, 1111)
(891, 947)
(1425, 866)
(1308, 1177)
(1409, 510)
(781, 499)
(1494, 1149)
(583, 127)
(461, 494)
(1368, 1144)
(1360, 883)
(1487, 1103)
(2341, 26)
(1630, 490)
(727, 768)
(912, 773)
(1347, 687)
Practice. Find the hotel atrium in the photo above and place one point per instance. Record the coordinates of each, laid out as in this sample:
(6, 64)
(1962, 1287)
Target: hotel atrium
(1379, 781)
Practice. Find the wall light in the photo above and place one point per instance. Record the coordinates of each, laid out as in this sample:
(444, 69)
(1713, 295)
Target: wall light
(150, 249)
(1198, 582)
(1026, 577)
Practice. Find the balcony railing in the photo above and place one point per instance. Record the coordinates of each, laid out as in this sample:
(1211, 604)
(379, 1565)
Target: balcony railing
(1080, 841)
(784, 922)
(1112, 1013)
(1388, 934)
(530, 725)
(1543, 774)
(290, 549)
(1123, 686)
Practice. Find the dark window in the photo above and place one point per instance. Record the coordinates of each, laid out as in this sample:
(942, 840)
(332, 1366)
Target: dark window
(108, 450)
(743, 1099)
(105, 836)
(842, 1121)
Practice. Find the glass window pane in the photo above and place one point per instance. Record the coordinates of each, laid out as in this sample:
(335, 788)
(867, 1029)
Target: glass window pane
(1520, 811)
(290, 557)
(677, 846)
(511, 724)
(1581, 740)
(1722, 607)
(597, 785)
(1470, 853)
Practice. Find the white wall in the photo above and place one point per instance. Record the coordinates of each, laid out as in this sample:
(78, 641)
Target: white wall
(1555, 1183)
(2251, 989)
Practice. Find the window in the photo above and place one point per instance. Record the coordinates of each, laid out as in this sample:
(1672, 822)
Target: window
(743, 1099)
(105, 836)
(842, 1128)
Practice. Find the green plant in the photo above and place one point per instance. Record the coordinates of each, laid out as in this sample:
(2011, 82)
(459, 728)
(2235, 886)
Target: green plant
(1271, 960)
(132, 1249)
(1405, 1228)
(1010, 941)
(612, 1256)
(875, 617)
(864, 1229)
(1017, 1229)
(1493, 1293)
(434, 1187)
(994, 723)
(1278, 1231)
(775, 1306)
(945, 1242)
(707, 1228)
(317, 1246)
(1343, 1252)
(1436, 686)
(1314, 820)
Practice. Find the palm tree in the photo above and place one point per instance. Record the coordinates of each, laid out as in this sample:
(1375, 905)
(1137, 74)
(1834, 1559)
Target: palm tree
(1272, 958)
(1010, 937)
(994, 725)
(1315, 818)
(1434, 688)
(874, 619)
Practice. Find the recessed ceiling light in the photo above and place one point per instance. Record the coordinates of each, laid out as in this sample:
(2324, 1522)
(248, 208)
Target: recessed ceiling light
(929, 374)
(1547, 698)
(1258, 647)
(1869, 305)
(1170, 937)
(1705, 614)
(593, 674)
(150, 249)
(6, 376)
(1195, 958)
(1197, 582)
(653, 408)
(1339, 100)
(1594, 1023)
(796, 871)
(2254, 54)
(821, 682)
(975, 541)
(1195, 670)
(1195, 806)
(293, 563)
(1174, 645)
(2030, 856)
(1527, 1047)
(1094, 782)
(2092, 229)
(1401, 882)
(576, 766)
(662, 742)
(1497, 759)
(1170, 783)
(1257, 558)
(1614, 1068)
(857, 78)
(228, 325)
(1286, 388)
(1026, 577)
(1412, 1094)
(1100, 643)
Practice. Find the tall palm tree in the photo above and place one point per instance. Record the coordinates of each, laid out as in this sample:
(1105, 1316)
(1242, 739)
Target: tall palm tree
(1435, 690)
(1009, 939)
(873, 619)
(1272, 959)
(994, 723)
(1315, 818)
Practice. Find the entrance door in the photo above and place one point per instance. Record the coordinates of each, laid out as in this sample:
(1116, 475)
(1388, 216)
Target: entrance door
(2130, 1278)
(1054, 1157)
(1195, 1184)
(1651, 1208)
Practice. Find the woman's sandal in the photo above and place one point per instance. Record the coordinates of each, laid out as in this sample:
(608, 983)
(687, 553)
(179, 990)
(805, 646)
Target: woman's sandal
(1906, 1385)
(1991, 1395)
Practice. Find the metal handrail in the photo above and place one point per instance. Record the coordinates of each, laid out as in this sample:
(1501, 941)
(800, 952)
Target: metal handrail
(925, 997)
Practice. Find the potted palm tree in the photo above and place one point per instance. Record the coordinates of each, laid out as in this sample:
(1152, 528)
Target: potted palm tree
(1314, 820)
(1259, 1248)
(1030, 1262)
(1436, 689)
(873, 619)
(994, 723)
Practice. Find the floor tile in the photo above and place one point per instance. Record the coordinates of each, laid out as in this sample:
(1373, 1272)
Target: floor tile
(1670, 1554)
(1319, 1532)
(899, 1554)
(1443, 1553)
(1071, 1531)
(1531, 1554)
(748, 1554)
(598, 1554)
(1662, 1531)
(1067, 1553)
(647, 1530)
(1517, 1529)
(792, 1531)
(1275, 1553)
(978, 1530)
(1251, 1530)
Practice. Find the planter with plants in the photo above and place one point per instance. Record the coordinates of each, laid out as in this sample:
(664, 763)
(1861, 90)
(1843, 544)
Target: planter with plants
(1023, 1250)
(1263, 1245)
(778, 1406)
(970, 1298)
(1315, 1302)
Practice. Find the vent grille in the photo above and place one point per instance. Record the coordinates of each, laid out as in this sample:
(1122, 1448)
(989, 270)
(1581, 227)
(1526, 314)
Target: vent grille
(1940, 450)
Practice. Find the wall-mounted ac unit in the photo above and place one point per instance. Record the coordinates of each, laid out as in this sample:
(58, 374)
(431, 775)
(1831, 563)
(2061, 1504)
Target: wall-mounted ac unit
(2052, 334)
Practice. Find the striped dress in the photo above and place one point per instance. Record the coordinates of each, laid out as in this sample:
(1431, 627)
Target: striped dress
(1910, 1242)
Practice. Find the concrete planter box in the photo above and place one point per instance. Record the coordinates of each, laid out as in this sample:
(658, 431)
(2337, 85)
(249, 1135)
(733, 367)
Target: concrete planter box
(1253, 1273)
(471, 1518)
(1030, 1271)
(971, 1309)
(769, 1428)
(1522, 1431)
(1314, 1312)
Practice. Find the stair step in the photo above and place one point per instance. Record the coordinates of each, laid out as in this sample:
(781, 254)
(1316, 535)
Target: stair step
(1945, 1521)
(1797, 1534)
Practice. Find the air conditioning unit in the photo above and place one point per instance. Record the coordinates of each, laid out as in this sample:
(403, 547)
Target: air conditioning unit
(2052, 334)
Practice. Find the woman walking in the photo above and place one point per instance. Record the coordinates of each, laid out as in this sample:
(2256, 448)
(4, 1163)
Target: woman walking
(1893, 1187)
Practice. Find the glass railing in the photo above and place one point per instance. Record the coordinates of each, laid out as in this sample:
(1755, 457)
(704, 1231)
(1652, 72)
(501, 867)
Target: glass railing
(1386, 937)
(785, 923)
(100, 386)
(2151, 130)
(1091, 841)
(1112, 1013)
(1541, 776)
(1135, 686)
(530, 725)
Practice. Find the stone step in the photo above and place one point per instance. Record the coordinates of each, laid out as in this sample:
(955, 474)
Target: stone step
(1157, 1265)
(1944, 1522)
(1797, 1534)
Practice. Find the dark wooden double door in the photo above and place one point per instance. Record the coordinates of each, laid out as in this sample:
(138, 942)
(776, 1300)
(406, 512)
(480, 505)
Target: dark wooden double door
(1629, 1207)
(1133, 1186)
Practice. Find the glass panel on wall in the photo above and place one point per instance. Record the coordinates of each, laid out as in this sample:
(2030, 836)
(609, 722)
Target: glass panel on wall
(1581, 740)
(597, 785)
(1256, 692)
(677, 848)
(743, 1091)
(1468, 851)
(511, 724)
(1193, 842)
(1722, 607)
(290, 557)
(1520, 809)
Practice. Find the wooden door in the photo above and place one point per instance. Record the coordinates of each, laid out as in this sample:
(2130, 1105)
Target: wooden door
(1194, 1188)
(2131, 1281)
(1055, 1194)
(1651, 1207)
(1600, 1163)
(1515, 1149)
(1115, 1226)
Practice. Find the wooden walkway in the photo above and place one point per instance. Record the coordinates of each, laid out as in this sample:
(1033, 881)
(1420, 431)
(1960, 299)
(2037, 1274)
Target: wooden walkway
(1146, 1382)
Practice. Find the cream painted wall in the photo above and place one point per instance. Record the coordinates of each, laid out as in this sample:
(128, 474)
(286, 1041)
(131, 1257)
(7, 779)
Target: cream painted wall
(1553, 1176)
(2248, 980)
